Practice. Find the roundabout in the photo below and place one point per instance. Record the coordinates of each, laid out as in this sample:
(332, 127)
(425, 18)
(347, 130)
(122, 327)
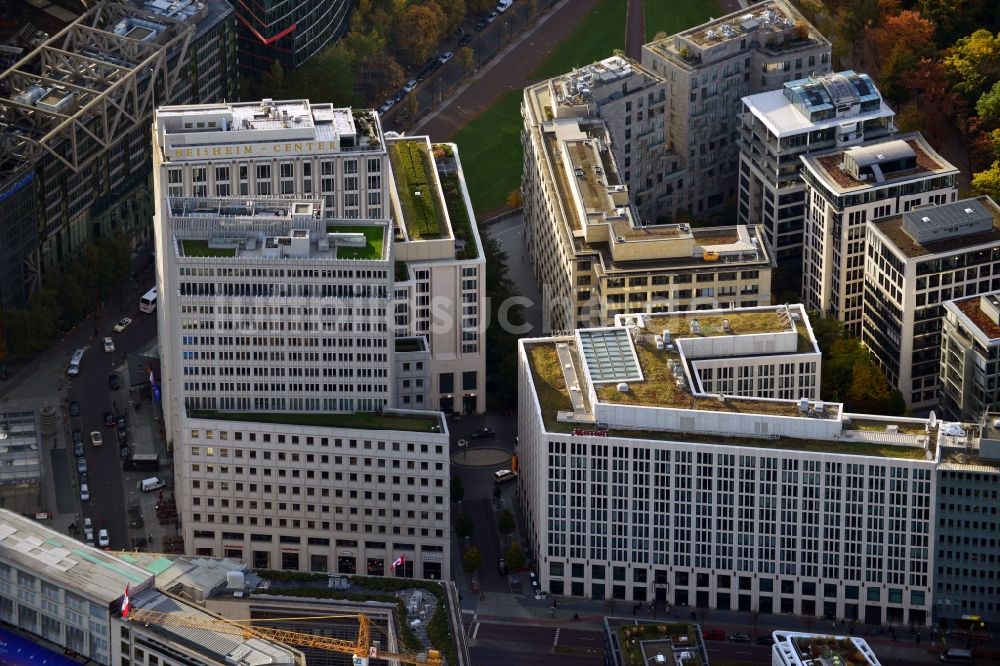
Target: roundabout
(487, 456)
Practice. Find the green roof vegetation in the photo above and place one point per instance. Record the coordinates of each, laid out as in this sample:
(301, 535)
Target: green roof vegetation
(631, 637)
(740, 323)
(550, 385)
(200, 248)
(458, 213)
(374, 234)
(361, 420)
(422, 213)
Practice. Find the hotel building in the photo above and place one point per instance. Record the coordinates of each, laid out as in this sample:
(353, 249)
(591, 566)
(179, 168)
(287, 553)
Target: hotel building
(594, 258)
(817, 113)
(970, 351)
(708, 70)
(916, 262)
(74, 121)
(639, 482)
(846, 188)
(70, 594)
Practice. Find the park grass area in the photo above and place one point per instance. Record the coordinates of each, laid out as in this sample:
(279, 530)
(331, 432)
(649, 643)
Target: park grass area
(374, 235)
(200, 248)
(595, 38)
(673, 16)
(360, 420)
(492, 157)
(422, 212)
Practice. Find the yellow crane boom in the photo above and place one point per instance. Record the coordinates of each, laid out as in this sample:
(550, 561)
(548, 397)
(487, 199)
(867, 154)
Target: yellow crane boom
(361, 649)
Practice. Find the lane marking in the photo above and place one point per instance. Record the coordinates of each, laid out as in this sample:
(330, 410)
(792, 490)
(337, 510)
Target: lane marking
(555, 639)
(475, 630)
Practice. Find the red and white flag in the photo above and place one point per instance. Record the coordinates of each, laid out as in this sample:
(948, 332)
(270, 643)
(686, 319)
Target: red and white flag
(125, 603)
(399, 561)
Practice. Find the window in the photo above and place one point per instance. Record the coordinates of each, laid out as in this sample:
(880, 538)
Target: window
(447, 382)
(469, 381)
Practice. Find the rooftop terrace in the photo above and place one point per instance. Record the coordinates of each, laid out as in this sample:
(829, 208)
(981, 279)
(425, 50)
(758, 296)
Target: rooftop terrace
(801, 649)
(970, 307)
(420, 198)
(639, 643)
(828, 165)
(358, 420)
(892, 228)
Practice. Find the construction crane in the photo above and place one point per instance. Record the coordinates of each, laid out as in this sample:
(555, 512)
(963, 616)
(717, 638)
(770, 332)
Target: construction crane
(361, 650)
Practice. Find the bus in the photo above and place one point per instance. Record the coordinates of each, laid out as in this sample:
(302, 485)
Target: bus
(74, 363)
(148, 301)
(149, 462)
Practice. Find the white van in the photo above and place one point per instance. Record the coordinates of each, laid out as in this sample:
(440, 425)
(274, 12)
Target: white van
(151, 484)
(504, 5)
(957, 656)
(74, 363)
(504, 475)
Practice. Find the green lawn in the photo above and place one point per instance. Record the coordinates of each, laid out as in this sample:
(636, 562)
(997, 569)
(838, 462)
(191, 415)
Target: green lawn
(595, 38)
(673, 16)
(492, 159)
(361, 420)
(412, 167)
(372, 250)
(200, 248)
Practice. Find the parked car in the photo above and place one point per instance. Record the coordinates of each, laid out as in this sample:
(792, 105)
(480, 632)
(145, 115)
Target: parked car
(103, 540)
(96, 439)
(122, 324)
(78, 449)
(124, 451)
(502, 567)
(410, 85)
(399, 96)
(122, 436)
(74, 408)
(88, 532)
(120, 421)
(462, 443)
(81, 465)
(766, 639)
(109, 344)
(114, 382)
(492, 17)
(84, 479)
(465, 40)
(481, 25)
(386, 105)
(422, 74)
(77, 436)
(84, 492)
(109, 420)
(483, 433)
(739, 637)
(446, 56)
(714, 635)
(435, 66)
(502, 475)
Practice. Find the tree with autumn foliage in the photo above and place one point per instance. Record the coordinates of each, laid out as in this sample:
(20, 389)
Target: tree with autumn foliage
(419, 32)
(899, 45)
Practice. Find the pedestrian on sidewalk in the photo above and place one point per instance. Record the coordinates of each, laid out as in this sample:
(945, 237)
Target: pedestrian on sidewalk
(482, 596)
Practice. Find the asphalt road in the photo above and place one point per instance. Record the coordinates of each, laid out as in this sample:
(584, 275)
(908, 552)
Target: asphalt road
(90, 388)
(496, 644)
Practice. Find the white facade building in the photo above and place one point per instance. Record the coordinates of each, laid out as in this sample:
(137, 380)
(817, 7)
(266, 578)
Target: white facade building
(71, 594)
(817, 113)
(916, 262)
(970, 353)
(845, 189)
(636, 484)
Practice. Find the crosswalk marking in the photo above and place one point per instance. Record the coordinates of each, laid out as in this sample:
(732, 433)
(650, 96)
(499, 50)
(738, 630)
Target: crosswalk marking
(555, 639)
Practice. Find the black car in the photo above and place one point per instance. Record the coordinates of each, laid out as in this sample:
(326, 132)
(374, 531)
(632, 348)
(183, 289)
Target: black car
(109, 420)
(739, 637)
(120, 422)
(766, 639)
(113, 382)
(84, 478)
(465, 40)
(122, 436)
(124, 452)
(481, 25)
(435, 66)
(483, 433)
(78, 449)
(502, 567)
(74, 408)
(77, 436)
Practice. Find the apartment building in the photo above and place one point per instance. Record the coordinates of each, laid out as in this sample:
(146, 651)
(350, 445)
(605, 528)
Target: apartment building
(440, 270)
(970, 350)
(916, 262)
(845, 189)
(289, 33)
(75, 123)
(708, 70)
(637, 484)
(594, 258)
(70, 594)
(965, 548)
(817, 113)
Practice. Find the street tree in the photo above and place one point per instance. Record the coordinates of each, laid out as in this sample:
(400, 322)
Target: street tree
(506, 523)
(420, 31)
(273, 81)
(988, 181)
(988, 106)
(457, 489)
(464, 526)
(514, 556)
(472, 559)
(973, 64)
(466, 58)
(454, 12)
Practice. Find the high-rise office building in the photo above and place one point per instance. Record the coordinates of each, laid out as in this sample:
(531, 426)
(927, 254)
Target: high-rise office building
(287, 32)
(74, 126)
(640, 481)
(592, 253)
(845, 189)
(970, 350)
(914, 263)
(708, 69)
(818, 113)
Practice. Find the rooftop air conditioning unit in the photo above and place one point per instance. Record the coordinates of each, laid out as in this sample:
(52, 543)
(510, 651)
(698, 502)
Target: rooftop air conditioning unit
(819, 407)
(622, 387)
(695, 326)
(803, 405)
